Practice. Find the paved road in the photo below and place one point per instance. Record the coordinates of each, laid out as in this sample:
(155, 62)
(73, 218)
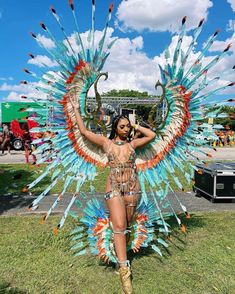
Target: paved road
(14, 157)
(220, 154)
(18, 205)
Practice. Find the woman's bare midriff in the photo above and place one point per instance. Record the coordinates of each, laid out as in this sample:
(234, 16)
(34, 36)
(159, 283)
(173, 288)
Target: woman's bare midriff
(123, 179)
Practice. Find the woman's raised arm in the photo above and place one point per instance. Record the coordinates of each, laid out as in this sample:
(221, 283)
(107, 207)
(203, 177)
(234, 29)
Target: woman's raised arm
(92, 137)
(149, 135)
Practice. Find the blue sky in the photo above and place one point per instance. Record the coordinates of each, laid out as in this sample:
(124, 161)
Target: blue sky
(144, 29)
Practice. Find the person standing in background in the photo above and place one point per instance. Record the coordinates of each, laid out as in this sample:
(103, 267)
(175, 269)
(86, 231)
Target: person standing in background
(6, 139)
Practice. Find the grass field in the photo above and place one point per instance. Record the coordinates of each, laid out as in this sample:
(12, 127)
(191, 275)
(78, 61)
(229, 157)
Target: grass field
(33, 260)
(16, 176)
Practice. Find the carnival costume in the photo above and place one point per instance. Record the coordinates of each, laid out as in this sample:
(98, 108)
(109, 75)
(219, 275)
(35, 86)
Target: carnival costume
(122, 179)
(186, 88)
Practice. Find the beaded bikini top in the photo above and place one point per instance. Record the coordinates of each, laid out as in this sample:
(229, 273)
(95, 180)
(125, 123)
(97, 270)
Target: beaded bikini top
(121, 159)
(120, 154)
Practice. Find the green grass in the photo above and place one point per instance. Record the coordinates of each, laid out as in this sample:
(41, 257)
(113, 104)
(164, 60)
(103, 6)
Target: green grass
(33, 260)
(16, 176)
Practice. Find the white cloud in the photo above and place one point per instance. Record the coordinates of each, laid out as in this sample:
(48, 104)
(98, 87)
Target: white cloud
(161, 16)
(42, 61)
(129, 67)
(221, 45)
(232, 3)
(160, 60)
(17, 88)
(14, 96)
(46, 42)
(228, 62)
(6, 79)
(231, 25)
(224, 67)
(84, 37)
(16, 91)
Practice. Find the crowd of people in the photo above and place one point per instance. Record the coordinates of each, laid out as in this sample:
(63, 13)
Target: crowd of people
(225, 139)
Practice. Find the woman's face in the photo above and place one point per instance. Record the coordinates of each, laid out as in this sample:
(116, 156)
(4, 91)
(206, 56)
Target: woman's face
(123, 128)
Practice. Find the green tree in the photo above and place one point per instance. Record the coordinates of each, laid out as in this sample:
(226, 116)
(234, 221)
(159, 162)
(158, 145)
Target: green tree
(125, 93)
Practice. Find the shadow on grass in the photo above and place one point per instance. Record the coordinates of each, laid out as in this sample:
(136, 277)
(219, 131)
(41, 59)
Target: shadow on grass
(5, 288)
(14, 202)
(14, 177)
(12, 180)
(177, 240)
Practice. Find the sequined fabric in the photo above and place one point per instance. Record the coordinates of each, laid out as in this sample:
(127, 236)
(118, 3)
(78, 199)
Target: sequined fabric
(122, 179)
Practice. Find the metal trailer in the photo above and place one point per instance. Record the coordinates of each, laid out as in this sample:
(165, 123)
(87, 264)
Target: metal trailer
(216, 180)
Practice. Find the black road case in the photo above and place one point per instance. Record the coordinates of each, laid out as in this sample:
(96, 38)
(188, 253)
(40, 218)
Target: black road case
(216, 180)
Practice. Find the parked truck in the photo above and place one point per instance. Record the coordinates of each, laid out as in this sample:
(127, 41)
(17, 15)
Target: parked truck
(10, 111)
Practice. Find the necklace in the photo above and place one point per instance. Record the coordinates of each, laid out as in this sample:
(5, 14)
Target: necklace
(119, 143)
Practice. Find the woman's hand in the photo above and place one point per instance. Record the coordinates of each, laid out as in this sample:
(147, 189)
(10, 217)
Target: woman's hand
(135, 126)
(143, 136)
(73, 100)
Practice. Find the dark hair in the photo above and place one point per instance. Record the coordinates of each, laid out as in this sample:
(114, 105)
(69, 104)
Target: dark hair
(115, 122)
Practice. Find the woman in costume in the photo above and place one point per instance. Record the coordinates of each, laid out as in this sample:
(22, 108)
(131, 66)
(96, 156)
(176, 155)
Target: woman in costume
(187, 87)
(122, 185)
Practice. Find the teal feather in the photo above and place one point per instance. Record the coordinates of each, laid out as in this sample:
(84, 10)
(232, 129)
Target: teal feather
(156, 249)
(162, 242)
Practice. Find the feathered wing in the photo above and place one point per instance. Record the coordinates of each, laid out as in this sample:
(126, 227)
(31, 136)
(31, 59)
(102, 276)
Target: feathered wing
(94, 232)
(74, 159)
(187, 89)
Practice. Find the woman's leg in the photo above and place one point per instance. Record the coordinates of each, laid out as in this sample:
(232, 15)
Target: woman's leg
(9, 146)
(117, 212)
(3, 146)
(131, 202)
(26, 154)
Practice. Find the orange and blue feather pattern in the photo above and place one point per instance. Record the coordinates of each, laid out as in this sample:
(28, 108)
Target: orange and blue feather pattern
(94, 232)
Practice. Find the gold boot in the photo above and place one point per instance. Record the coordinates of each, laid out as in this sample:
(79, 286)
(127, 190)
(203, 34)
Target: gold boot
(125, 276)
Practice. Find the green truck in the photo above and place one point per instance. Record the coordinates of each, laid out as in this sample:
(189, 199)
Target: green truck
(10, 111)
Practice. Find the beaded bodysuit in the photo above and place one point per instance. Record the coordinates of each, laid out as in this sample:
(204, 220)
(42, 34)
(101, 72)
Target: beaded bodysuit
(122, 179)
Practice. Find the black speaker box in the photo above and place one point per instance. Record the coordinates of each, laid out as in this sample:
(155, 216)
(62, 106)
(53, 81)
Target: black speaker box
(216, 180)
